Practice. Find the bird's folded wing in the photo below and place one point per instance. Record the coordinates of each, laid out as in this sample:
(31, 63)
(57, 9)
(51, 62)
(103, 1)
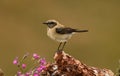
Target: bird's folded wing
(66, 30)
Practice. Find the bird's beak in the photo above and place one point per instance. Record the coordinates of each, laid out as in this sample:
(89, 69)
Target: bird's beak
(44, 22)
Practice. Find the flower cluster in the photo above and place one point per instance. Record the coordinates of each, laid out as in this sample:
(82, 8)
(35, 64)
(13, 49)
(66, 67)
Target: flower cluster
(38, 64)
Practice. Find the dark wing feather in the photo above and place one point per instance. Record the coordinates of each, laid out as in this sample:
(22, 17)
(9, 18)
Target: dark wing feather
(66, 30)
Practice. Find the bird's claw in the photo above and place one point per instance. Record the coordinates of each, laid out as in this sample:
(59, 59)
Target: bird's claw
(59, 51)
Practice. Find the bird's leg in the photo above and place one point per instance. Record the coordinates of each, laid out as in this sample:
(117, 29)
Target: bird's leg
(63, 46)
(59, 46)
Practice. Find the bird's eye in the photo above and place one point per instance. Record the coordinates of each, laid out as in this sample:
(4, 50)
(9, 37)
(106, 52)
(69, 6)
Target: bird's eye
(51, 23)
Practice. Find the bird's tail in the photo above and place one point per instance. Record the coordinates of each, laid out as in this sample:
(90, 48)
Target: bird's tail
(75, 30)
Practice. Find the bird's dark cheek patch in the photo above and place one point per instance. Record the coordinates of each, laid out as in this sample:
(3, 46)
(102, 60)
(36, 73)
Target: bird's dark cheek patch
(51, 25)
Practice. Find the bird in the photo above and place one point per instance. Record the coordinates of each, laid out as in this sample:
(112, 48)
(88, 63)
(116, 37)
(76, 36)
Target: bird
(60, 33)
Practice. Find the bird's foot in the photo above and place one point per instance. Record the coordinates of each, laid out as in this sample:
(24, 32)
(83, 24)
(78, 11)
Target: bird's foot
(59, 51)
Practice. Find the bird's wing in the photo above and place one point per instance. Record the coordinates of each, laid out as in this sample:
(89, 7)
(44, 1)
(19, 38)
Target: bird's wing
(64, 30)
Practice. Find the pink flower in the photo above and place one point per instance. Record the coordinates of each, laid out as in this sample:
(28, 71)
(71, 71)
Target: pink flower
(33, 71)
(36, 74)
(27, 74)
(36, 56)
(15, 61)
(40, 68)
(23, 66)
(42, 61)
(19, 73)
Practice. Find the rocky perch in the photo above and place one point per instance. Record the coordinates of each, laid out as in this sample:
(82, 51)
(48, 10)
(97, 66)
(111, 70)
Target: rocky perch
(66, 65)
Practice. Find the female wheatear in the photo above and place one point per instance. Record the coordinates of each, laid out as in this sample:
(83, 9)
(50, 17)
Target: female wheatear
(59, 32)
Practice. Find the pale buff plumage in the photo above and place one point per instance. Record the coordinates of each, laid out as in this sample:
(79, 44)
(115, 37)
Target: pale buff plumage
(58, 37)
(60, 33)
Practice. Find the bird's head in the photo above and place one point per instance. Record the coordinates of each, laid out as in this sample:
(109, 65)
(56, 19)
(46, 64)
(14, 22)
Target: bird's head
(51, 23)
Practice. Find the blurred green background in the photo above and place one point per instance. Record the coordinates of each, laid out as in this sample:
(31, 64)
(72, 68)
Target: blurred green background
(21, 30)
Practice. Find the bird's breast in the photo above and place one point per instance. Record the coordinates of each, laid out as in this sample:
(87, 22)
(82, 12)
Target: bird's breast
(58, 37)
